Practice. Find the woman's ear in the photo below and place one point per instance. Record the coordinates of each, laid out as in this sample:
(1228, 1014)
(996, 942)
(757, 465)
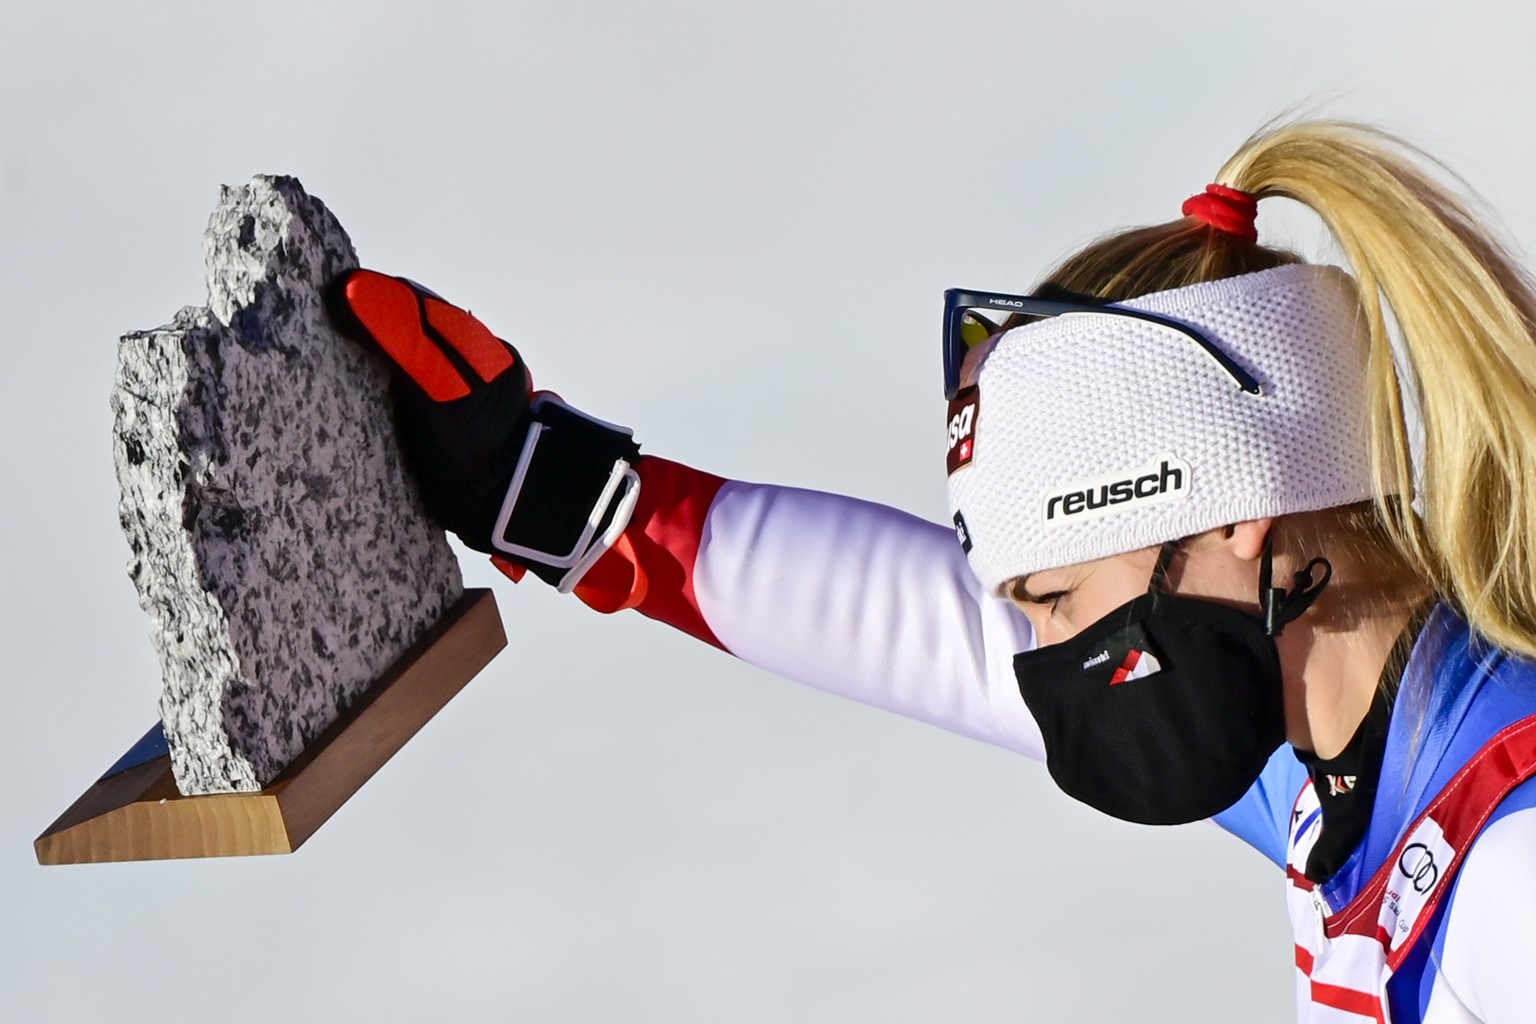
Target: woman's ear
(1246, 539)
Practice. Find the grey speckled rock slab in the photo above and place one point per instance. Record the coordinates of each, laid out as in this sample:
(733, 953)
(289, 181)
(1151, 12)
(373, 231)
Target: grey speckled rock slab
(278, 545)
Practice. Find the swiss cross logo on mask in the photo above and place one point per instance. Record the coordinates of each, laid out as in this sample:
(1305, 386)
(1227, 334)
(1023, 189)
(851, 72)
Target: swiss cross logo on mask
(964, 410)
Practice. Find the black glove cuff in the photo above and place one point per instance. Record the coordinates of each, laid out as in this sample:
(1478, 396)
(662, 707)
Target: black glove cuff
(571, 495)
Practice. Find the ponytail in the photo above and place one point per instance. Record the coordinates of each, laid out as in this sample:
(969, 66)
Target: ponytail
(1465, 313)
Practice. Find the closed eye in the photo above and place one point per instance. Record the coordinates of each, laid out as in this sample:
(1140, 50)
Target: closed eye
(1022, 594)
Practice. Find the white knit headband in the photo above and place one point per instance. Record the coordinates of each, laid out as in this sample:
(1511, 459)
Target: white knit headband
(1091, 435)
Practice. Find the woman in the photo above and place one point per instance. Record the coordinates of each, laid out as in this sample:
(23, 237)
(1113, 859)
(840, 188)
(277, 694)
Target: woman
(1197, 568)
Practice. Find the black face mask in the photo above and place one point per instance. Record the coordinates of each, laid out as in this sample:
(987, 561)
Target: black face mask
(1166, 710)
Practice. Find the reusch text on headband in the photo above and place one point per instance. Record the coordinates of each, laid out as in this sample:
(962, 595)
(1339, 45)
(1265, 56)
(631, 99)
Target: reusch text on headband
(1166, 478)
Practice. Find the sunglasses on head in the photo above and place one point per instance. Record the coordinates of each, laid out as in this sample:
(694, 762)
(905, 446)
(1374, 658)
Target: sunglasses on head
(965, 327)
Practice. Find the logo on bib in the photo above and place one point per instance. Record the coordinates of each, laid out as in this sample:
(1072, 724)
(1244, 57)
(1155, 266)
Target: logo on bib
(1419, 869)
(1417, 864)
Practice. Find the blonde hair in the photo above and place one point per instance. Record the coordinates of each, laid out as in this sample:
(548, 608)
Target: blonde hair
(1465, 312)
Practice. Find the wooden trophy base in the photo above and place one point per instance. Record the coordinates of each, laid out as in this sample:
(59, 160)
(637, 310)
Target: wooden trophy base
(137, 813)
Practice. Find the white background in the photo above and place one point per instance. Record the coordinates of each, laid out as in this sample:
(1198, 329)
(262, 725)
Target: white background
(728, 225)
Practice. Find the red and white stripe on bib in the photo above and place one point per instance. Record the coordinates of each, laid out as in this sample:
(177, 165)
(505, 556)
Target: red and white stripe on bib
(1345, 958)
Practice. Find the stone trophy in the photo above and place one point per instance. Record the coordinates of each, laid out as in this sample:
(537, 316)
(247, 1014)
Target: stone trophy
(308, 616)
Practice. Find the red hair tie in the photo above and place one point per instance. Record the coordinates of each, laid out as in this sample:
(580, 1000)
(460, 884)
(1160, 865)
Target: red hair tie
(1225, 209)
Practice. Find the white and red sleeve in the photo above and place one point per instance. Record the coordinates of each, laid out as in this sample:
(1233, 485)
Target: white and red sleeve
(851, 597)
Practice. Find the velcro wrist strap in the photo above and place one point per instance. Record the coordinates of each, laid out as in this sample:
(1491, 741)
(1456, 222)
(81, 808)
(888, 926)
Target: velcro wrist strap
(571, 494)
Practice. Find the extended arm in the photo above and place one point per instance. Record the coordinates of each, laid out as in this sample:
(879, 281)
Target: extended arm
(851, 597)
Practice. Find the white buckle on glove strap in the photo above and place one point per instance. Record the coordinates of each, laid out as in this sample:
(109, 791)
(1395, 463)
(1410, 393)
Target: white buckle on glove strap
(620, 492)
(625, 475)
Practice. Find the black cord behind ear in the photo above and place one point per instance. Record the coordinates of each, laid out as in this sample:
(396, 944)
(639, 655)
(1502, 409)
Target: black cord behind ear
(1284, 606)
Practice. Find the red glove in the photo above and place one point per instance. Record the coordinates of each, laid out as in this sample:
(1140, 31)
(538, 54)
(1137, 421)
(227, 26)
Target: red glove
(516, 474)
